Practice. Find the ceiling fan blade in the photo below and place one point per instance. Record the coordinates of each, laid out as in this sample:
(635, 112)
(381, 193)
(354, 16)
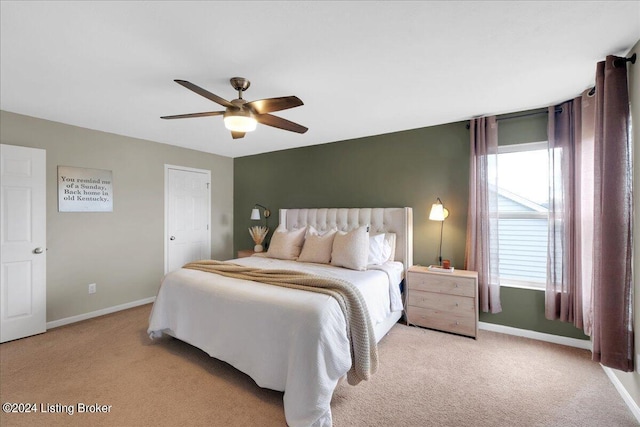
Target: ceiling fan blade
(269, 105)
(279, 122)
(188, 116)
(205, 93)
(237, 135)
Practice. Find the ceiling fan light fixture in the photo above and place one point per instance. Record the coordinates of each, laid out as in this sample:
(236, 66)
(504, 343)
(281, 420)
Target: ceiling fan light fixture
(240, 121)
(241, 116)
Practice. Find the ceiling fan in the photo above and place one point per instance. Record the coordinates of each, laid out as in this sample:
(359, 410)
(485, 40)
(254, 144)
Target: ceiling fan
(241, 116)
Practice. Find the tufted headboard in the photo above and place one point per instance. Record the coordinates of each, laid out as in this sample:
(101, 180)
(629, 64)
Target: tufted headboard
(392, 220)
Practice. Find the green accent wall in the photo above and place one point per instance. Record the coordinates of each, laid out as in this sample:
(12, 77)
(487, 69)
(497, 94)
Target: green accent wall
(410, 168)
(524, 309)
(518, 130)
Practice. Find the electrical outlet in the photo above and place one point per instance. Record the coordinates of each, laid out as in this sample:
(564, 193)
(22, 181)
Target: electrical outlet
(92, 288)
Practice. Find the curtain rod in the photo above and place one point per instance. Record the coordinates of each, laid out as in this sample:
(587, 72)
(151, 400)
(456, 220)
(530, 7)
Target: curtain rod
(533, 113)
(517, 116)
(621, 62)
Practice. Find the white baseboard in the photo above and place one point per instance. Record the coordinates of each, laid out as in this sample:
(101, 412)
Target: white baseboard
(97, 313)
(623, 392)
(556, 339)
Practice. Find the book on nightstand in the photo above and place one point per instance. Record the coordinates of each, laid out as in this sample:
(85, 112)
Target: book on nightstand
(440, 269)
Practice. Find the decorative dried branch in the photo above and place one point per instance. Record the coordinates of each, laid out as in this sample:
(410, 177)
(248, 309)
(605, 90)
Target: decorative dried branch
(258, 234)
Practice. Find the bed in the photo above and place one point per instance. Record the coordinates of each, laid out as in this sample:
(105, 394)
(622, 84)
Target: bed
(285, 339)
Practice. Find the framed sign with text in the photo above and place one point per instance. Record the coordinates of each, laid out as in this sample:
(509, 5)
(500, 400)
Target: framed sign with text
(84, 190)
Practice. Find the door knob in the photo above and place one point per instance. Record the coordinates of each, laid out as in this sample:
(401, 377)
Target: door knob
(37, 251)
(172, 238)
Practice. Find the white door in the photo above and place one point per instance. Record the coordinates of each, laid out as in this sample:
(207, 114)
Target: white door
(23, 259)
(188, 212)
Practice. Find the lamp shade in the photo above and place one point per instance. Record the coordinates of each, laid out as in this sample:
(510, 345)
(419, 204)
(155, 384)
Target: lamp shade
(255, 214)
(438, 212)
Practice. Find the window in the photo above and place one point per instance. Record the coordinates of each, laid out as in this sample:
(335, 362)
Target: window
(523, 200)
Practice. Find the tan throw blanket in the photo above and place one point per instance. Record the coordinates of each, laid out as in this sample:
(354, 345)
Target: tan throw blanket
(364, 350)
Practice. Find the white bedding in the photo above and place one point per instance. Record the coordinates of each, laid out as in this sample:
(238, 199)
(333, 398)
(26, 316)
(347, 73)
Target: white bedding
(285, 339)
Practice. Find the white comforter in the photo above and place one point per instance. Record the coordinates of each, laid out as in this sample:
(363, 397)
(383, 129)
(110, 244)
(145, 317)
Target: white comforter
(285, 339)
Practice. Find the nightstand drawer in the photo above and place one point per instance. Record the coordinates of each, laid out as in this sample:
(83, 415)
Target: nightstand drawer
(443, 302)
(462, 324)
(442, 283)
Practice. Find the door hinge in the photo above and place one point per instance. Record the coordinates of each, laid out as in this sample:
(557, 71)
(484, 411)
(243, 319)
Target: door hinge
(207, 226)
(207, 185)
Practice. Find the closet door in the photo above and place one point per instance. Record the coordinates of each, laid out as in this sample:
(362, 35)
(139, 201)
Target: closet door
(188, 213)
(23, 257)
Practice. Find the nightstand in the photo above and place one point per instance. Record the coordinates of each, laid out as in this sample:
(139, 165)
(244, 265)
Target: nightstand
(245, 253)
(443, 301)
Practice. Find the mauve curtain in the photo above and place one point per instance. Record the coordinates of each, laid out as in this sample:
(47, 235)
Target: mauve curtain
(612, 279)
(481, 251)
(571, 207)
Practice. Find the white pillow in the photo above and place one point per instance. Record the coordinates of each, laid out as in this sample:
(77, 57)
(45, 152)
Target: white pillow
(390, 245)
(317, 247)
(286, 244)
(351, 250)
(388, 250)
(376, 250)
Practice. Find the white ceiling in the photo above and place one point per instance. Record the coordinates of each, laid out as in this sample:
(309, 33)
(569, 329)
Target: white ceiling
(361, 68)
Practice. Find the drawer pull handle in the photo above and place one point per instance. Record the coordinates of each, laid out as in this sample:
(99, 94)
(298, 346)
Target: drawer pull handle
(456, 285)
(456, 304)
(457, 323)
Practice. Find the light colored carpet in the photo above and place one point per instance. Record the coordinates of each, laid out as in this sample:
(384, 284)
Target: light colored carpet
(425, 378)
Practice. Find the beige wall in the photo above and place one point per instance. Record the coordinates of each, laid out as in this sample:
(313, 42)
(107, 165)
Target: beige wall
(631, 381)
(121, 251)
